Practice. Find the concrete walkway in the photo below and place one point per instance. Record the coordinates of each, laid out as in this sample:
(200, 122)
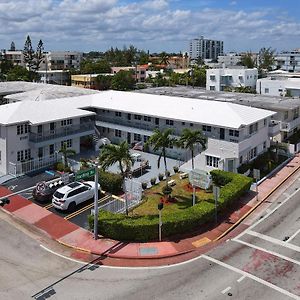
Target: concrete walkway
(78, 238)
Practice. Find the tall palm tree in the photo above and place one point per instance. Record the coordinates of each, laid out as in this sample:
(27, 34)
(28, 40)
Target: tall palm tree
(161, 140)
(164, 58)
(119, 154)
(188, 140)
(66, 152)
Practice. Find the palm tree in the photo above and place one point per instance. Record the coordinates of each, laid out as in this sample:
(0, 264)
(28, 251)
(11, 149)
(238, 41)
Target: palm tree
(119, 154)
(66, 152)
(188, 140)
(161, 140)
(164, 58)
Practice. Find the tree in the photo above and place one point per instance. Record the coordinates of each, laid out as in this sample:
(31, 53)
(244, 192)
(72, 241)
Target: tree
(29, 54)
(66, 152)
(12, 46)
(188, 140)
(248, 61)
(123, 81)
(161, 140)
(164, 58)
(199, 61)
(104, 82)
(18, 73)
(266, 59)
(90, 67)
(120, 154)
(39, 55)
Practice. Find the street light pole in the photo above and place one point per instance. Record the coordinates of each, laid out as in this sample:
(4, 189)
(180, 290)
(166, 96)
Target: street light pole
(96, 203)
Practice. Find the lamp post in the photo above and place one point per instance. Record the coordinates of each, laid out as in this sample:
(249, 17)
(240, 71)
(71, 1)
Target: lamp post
(96, 203)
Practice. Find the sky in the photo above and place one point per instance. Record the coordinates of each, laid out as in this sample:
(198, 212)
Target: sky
(154, 25)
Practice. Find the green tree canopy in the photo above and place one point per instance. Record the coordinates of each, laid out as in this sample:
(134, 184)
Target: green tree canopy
(123, 81)
(90, 67)
(266, 58)
(104, 82)
(18, 73)
(248, 61)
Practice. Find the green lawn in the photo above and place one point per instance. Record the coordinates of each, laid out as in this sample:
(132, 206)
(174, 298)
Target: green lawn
(181, 192)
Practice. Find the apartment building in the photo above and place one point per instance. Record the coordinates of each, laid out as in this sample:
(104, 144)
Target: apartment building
(61, 77)
(62, 60)
(288, 60)
(205, 48)
(138, 72)
(230, 59)
(15, 56)
(87, 81)
(219, 79)
(33, 131)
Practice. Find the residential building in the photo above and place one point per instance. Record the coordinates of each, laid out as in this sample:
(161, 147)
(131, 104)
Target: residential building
(283, 124)
(138, 72)
(61, 60)
(288, 60)
(15, 56)
(205, 48)
(229, 59)
(219, 79)
(87, 81)
(32, 131)
(61, 77)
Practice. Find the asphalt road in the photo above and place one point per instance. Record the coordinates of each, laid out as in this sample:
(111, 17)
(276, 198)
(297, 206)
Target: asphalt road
(261, 263)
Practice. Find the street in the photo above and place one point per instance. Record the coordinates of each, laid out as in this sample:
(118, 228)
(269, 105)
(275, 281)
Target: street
(260, 263)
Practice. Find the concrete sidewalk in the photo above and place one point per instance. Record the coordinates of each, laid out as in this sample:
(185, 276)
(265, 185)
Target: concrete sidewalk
(78, 238)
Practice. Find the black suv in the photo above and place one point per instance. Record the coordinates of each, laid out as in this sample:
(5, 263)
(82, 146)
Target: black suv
(46, 194)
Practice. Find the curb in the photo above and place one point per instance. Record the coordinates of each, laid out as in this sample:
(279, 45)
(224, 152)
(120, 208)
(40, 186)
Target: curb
(74, 247)
(257, 205)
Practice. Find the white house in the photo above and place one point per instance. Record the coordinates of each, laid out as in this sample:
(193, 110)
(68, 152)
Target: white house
(219, 79)
(288, 60)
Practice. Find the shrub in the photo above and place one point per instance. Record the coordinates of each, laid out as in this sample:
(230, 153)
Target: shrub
(176, 169)
(153, 181)
(59, 166)
(144, 228)
(168, 173)
(160, 176)
(144, 185)
(167, 190)
(110, 182)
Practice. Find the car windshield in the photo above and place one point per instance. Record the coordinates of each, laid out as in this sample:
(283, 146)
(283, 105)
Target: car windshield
(58, 195)
(87, 184)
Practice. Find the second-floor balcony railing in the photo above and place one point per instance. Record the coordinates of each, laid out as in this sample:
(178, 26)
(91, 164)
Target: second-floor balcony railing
(60, 132)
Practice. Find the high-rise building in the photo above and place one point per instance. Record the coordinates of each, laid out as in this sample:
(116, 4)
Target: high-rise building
(205, 49)
(288, 60)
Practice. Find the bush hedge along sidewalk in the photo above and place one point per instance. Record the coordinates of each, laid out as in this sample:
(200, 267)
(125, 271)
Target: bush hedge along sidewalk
(145, 228)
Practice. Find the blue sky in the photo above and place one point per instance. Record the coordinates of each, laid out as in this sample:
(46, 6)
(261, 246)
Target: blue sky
(154, 25)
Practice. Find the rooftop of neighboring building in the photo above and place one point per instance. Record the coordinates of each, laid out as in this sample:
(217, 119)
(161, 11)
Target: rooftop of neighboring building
(253, 100)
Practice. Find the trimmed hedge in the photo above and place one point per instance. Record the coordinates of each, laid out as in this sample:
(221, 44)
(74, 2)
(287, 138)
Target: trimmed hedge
(145, 228)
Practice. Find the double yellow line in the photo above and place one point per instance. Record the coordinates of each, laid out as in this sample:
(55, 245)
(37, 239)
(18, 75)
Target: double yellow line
(78, 212)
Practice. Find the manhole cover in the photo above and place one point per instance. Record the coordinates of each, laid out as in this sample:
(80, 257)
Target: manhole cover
(148, 251)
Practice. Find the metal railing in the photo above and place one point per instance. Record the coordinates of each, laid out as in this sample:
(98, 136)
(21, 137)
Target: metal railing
(60, 132)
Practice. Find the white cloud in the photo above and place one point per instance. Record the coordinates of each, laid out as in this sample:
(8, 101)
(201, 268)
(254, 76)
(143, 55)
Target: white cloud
(155, 25)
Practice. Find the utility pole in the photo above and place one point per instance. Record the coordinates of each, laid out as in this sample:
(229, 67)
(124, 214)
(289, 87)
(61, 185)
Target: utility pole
(96, 203)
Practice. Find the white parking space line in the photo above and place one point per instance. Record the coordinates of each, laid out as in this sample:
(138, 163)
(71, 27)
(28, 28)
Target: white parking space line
(293, 236)
(268, 251)
(226, 290)
(253, 277)
(268, 214)
(274, 241)
(241, 278)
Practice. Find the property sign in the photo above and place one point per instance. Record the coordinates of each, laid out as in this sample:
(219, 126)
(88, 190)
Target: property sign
(200, 178)
(256, 174)
(83, 174)
(216, 192)
(41, 186)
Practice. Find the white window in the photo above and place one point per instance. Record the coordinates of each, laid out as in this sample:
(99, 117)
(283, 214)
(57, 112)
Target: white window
(234, 133)
(137, 137)
(22, 129)
(67, 142)
(206, 128)
(117, 133)
(66, 122)
(212, 161)
(137, 117)
(266, 91)
(147, 119)
(118, 114)
(170, 122)
(212, 77)
(212, 88)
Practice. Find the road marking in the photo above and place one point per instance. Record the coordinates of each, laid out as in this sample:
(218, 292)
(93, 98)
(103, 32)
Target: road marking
(226, 290)
(273, 240)
(48, 206)
(293, 236)
(241, 278)
(78, 212)
(249, 275)
(267, 215)
(201, 242)
(267, 251)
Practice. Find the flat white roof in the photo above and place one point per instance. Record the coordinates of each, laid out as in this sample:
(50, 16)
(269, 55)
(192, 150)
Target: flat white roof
(223, 114)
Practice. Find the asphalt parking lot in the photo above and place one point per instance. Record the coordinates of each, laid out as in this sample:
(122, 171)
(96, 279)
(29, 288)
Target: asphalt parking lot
(79, 216)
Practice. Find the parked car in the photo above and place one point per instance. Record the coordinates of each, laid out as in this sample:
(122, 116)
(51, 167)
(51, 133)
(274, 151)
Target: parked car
(45, 195)
(72, 194)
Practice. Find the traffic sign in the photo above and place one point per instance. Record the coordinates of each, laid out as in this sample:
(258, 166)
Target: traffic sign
(65, 178)
(41, 186)
(256, 174)
(83, 174)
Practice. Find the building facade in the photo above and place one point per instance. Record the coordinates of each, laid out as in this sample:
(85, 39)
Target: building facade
(230, 59)
(219, 79)
(288, 60)
(205, 48)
